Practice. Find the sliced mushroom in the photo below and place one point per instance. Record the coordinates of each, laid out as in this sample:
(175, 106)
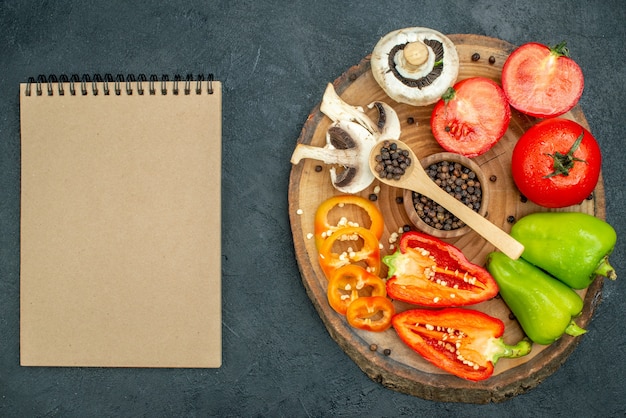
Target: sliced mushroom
(336, 109)
(349, 140)
(388, 123)
(348, 144)
(415, 65)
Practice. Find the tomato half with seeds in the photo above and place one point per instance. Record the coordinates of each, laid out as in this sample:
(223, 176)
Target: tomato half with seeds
(556, 163)
(471, 117)
(371, 313)
(542, 81)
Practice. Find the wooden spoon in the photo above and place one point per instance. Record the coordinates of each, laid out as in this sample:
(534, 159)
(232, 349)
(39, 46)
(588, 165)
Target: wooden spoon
(416, 179)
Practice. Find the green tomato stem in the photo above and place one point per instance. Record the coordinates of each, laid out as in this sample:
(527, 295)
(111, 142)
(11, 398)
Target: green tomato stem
(560, 49)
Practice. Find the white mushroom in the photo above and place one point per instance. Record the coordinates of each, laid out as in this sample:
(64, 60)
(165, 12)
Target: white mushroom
(349, 141)
(415, 65)
(348, 145)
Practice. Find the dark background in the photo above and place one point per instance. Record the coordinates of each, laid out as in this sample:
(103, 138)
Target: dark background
(274, 59)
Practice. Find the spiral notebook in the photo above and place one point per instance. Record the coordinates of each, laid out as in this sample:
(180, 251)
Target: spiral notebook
(120, 221)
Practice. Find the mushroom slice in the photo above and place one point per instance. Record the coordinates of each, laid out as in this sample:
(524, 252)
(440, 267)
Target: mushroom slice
(336, 109)
(388, 121)
(348, 145)
(415, 65)
(387, 127)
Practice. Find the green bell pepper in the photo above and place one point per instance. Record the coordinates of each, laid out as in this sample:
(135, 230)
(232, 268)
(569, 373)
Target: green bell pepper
(543, 306)
(573, 247)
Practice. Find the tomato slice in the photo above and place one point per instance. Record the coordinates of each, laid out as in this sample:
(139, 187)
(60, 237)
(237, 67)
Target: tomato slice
(542, 81)
(471, 117)
(372, 313)
(350, 282)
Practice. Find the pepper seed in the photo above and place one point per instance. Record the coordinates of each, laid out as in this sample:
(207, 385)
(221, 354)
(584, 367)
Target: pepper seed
(510, 219)
(373, 347)
(387, 352)
(492, 60)
(318, 168)
(493, 178)
(475, 56)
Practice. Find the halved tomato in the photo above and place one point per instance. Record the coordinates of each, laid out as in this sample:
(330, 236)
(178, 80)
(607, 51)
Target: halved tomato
(542, 81)
(471, 117)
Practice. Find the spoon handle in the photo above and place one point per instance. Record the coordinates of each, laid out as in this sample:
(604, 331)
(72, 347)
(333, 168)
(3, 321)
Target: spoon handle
(496, 236)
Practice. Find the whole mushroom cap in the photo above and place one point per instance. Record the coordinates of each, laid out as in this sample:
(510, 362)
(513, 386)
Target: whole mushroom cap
(415, 65)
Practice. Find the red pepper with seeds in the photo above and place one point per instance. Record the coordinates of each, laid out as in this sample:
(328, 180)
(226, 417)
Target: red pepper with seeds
(463, 342)
(426, 271)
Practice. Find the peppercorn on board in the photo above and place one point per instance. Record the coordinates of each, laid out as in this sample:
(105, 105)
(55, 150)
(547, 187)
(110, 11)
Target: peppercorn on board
(382, 356)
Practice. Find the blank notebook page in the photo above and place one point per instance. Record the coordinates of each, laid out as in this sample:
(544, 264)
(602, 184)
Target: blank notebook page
(120, 227)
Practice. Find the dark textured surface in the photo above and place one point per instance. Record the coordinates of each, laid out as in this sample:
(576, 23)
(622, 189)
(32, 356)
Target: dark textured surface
(275, 59)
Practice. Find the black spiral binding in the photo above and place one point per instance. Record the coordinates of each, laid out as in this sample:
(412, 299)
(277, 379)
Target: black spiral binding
(128, 84)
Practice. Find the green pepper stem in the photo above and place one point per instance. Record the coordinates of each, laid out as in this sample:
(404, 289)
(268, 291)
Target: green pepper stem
(574, 330)
(522, 348)
(605, 269)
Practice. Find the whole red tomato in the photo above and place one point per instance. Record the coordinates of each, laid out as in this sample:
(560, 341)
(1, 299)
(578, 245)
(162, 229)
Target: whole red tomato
(556, 163)
(471, 117)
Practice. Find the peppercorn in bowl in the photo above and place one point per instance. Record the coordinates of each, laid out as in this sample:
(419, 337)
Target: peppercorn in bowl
(463, 179)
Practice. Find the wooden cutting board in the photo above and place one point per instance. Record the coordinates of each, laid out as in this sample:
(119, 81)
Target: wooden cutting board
(391, 363)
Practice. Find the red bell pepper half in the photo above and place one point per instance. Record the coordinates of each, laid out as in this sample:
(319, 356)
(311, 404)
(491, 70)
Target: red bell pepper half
(426, 271)
(463, 342)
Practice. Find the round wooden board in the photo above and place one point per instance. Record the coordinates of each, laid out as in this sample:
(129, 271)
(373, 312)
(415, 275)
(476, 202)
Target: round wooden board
(403, 370)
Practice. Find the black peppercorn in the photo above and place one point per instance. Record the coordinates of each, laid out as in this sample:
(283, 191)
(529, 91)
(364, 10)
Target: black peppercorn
(475, 56)
(458, 181)
(492, 60)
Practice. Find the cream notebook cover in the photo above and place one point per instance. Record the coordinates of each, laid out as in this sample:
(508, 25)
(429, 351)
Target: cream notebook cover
(120, 222)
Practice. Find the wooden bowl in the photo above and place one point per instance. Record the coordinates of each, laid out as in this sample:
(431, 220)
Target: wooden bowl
(419, 223)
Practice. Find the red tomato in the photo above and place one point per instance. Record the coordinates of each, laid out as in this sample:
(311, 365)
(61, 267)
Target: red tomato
(542, 81)
(471, 117)
(556, 163)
